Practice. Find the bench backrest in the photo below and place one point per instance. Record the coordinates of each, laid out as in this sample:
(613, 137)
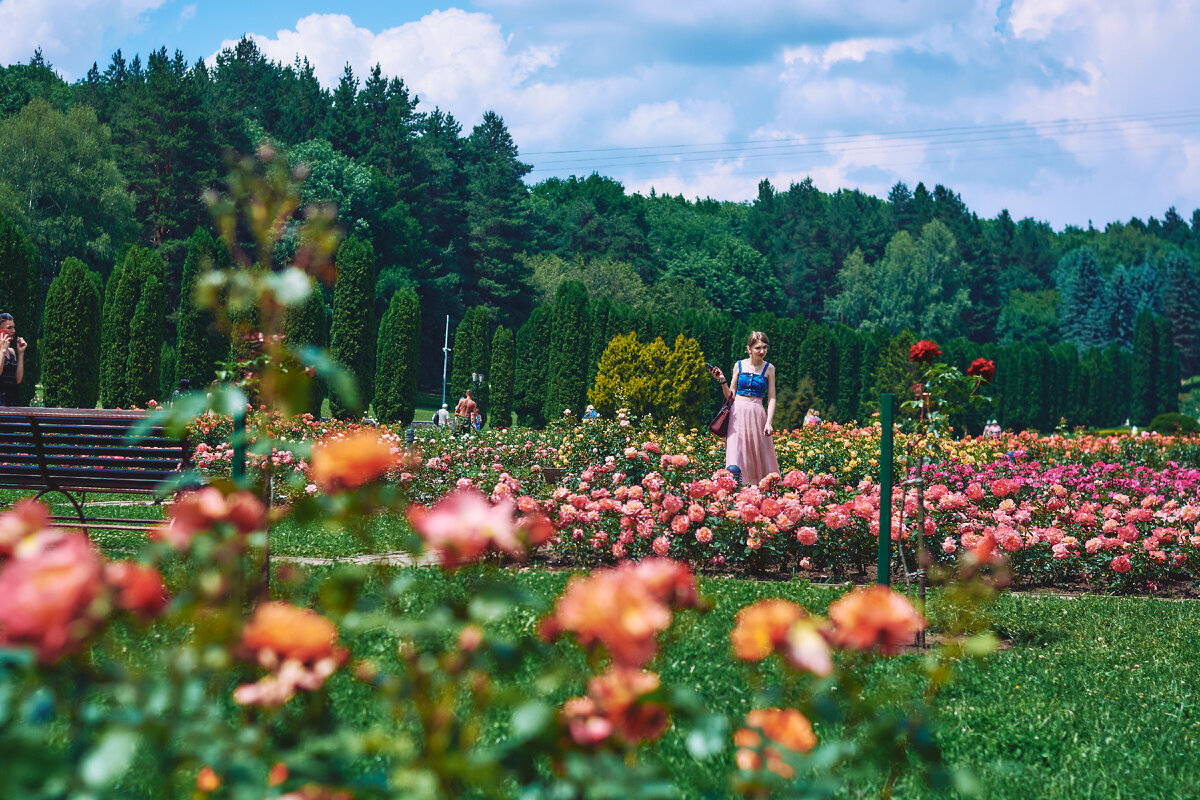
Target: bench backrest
(85, 450)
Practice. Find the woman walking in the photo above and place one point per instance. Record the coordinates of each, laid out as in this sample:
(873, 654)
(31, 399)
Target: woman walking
(749, 445)
(12, 361)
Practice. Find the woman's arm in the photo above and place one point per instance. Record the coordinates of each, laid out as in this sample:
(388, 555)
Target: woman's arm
(769, 429)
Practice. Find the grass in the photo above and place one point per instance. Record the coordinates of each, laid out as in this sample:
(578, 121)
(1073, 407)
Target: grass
(1096, 696)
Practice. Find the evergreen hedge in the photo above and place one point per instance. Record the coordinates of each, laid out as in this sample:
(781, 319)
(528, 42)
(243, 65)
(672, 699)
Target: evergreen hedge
(500, 376)
(198, 345)
(532, 361)
(397, 364)
(20, 294)
(569, 345)
(139, 274)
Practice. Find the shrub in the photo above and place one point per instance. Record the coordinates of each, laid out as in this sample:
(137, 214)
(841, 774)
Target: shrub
(353, 333)
(397, 365)
(1173, 422)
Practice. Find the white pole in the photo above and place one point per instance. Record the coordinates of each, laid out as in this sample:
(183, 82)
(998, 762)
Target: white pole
(445, 358)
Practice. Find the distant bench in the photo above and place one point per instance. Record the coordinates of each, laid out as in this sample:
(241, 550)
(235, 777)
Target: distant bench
(74, 451)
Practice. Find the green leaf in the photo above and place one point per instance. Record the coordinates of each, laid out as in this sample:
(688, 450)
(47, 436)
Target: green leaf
(110, 759)
(334, 374)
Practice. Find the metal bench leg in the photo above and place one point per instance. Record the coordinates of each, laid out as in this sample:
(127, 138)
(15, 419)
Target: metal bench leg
(78, 505)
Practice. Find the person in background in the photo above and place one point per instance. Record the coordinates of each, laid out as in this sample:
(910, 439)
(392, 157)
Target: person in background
(590, 412)
(477, 420)
(749, 444)
(441, 416)
(12, 361)
(464, 412)
(812, 417)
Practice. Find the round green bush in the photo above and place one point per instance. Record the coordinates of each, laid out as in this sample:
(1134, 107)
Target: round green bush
(1174, 422)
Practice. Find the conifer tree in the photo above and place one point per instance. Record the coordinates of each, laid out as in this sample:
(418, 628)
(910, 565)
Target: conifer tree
(71, 338)
(569, 345)
(353, 333)
(462, 355)
(144, 359)
(501, 378)
(309, 325)
(818, 360)
(198, 345)
(1181, 305)
(1143, 389)
(397, 368)
(1167, 389)
(19, 294)
(531, 367)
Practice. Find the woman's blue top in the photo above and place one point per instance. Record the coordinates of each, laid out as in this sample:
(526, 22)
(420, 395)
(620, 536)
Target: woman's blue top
(750, 384)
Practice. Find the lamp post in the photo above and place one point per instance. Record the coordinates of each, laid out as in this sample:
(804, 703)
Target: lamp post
(445, 358)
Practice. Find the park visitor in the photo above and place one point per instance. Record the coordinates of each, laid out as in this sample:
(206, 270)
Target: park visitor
(441, 416)
(749, 445)
(590, 412)
(812, 417)
(464, 412)
(12, 361)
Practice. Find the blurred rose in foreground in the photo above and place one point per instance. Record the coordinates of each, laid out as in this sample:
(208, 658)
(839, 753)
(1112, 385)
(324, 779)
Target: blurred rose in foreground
(875, 616)
(462, 526)
(202, 510)
(298, 645)
(614, 707)
(47, 590)
(785, 727)
(139, 587)
(624, 608)
(353, 460)
(26, 518)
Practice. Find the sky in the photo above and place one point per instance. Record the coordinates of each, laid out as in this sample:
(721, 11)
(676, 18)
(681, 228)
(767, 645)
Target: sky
(1074, 112)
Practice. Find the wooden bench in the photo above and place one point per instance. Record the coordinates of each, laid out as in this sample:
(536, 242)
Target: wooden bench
(74, 451)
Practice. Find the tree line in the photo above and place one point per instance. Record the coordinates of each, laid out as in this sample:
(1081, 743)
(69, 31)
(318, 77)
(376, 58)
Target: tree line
(120, 160)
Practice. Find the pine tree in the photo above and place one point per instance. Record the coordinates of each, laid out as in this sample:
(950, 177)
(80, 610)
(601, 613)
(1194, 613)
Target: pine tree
(569, 344)
(397, 368)
(71, 338)
(199, 346)
(19, 294)
(1084, 312)
(501, 378)
(532, 361)
(353, 333)
(1181, 305)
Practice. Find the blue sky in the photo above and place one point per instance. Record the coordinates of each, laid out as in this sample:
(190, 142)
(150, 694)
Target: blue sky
(1068, 111)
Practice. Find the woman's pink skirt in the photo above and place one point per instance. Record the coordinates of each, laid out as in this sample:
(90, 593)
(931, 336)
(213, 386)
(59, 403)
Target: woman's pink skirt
(747, 445)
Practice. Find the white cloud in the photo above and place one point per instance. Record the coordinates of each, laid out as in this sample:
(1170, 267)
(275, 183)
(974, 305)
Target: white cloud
(187, 12)
(846, 50)
(670, 122)
(457, 60)
(60, 27)
(1035, 19)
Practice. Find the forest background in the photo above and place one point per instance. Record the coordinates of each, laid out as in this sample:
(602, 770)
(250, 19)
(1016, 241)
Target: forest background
(102, 186)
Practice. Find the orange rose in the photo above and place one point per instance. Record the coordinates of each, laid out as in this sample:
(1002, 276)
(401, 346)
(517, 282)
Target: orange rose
(208, 780)
(785, 727)
(614, 707)
(348, 462)
(763, 626)
(290, 633)
(140, 587)
(874, 616)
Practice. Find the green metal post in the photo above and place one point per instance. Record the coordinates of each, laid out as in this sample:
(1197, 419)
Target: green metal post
(886, 403)
(239, 445)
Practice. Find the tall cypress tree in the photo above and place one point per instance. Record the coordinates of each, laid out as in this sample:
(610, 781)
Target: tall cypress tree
(501, 378)
(1143, 389)
(309, 325)
(818, 360)
(1167, 389)
(19, 294)
(397, 367)
(144, 359)
(353, 333)
(461, 355)
(198, 345)
(71, 342)
(140, 274)
(532, 361)
(570, 342)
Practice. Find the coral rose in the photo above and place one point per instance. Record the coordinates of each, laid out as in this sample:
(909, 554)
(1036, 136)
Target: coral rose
(26, 518)
(461, 526)
(289, 632)
(46, 593)
(348, 462)
(785, 727)
(202, 510)
(139, 587)
(874, 616)
(761, 627)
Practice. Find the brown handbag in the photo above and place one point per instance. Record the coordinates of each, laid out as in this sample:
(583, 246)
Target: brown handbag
(720, 424)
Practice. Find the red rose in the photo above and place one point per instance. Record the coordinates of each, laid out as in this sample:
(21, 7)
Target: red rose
(983, 368)
(924, 352)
